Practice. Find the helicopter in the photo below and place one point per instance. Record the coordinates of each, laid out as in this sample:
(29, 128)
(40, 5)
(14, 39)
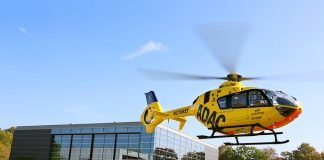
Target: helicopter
(232, 110)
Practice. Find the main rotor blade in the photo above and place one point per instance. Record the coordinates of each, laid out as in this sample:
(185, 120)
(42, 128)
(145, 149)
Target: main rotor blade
(313, 76)
(166, 75)
(225, 41)
(250, 78)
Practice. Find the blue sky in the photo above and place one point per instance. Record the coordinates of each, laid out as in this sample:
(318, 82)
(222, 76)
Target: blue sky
(76, 61)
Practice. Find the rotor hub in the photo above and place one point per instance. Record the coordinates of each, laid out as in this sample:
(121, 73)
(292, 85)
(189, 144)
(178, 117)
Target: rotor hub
(234, 77)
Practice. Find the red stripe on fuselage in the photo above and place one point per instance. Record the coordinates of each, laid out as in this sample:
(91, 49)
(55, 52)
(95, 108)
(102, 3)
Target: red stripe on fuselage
(286, 120)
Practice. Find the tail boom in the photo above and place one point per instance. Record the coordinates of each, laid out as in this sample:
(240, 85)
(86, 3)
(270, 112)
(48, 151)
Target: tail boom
(153, 114)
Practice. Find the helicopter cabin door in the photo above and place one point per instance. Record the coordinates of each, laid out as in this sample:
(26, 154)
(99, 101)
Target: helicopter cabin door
(245, 108)
(259, 107)
(233, 107)
(238, 105)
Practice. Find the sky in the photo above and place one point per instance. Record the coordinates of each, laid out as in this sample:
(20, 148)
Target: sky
(77, 61)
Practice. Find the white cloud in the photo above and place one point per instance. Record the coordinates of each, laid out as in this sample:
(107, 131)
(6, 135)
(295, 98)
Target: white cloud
(24, 30)
(149, 47)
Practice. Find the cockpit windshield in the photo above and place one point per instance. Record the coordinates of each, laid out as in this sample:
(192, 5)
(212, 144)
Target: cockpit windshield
(279, 97)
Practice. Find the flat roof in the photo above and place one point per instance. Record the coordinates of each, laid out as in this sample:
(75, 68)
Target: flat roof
(112, 124)
(86, 125)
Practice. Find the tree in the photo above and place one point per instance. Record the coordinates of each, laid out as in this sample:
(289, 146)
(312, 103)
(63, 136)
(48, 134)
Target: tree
(306, 152)
(249, 153)
(286, 155)
(246, 153)
(225, 152)
(5, 143)
(303, 152)
(4, 152)
(270, 153)
(11, 130)
(322, 155)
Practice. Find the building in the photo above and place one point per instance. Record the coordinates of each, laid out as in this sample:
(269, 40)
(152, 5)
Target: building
(107, 141)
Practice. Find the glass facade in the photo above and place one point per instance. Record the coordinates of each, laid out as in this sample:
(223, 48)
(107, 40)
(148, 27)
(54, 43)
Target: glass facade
(169, 145)
(125, 142)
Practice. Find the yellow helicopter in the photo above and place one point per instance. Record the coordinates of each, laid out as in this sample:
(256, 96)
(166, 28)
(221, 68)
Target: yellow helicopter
(232, 110)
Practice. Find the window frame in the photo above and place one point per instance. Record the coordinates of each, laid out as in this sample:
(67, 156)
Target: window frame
(229, 100)
(246, 100)
(269, 102)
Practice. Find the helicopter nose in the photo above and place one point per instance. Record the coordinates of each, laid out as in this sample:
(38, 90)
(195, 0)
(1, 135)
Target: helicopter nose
(299, 111)
(289, 111)
(290, 115)
(294, 114)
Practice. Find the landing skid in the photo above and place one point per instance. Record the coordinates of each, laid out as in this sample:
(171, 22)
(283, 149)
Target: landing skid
(236, 136)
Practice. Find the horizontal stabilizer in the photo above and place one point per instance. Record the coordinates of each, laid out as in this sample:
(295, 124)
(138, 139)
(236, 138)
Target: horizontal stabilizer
(160, 113)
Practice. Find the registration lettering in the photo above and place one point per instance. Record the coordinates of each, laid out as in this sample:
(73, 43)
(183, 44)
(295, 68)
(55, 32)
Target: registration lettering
(181, 111)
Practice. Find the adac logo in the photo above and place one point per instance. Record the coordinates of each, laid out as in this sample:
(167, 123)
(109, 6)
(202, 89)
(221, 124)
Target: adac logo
(205, 116)
(146, 114)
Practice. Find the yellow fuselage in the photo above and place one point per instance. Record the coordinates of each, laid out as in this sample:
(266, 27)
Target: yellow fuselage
(208, 111)
(226, 108)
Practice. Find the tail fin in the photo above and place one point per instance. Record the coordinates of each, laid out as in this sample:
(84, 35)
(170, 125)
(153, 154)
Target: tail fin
(153, 114)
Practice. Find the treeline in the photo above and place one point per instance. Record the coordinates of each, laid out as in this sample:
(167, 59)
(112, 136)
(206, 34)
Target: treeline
(5, 142)
(303, 152)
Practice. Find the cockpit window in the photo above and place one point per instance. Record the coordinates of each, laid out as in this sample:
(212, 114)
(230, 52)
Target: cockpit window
(284, 99)
(256, 98)
(271, 95)
(279, 97)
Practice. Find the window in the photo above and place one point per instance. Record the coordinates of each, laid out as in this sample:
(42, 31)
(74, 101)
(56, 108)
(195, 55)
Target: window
(121, 129)
(97, 130)
(280, 97)
(81, 146)
(256, 98)
(134, 129)
(109, 130)
(122, 141)
(55, 131)
(168, 145)
(239, 100)
(65, 131)
(222, 102)
(76, 130)
(86, 130)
